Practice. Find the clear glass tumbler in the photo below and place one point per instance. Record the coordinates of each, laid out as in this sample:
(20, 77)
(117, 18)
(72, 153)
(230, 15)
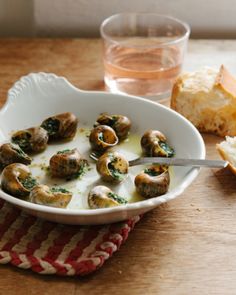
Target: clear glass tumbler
(143, 53)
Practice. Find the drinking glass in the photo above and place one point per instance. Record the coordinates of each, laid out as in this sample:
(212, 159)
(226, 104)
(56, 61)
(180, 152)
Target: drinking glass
(143, 53)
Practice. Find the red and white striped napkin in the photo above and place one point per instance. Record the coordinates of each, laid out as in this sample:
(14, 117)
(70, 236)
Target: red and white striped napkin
(50, 248)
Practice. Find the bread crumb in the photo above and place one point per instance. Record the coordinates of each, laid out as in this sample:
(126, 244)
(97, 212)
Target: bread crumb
(120, 272)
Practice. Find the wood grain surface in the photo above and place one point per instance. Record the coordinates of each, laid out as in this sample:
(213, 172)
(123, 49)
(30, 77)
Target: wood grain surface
(186, 246)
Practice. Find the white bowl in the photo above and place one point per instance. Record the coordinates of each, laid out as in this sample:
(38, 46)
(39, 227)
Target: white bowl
(38, 96)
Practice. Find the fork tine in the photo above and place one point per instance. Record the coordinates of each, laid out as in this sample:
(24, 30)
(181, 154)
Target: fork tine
(94, 156)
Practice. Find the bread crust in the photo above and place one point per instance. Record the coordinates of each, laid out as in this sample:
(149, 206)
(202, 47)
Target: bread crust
(175, 92)
(225, 81)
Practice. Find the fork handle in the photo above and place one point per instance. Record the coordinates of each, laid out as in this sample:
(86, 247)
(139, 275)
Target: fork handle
(179, 162)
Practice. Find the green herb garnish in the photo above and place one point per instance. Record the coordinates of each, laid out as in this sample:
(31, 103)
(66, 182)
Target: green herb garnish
(19, 151)
(59, 190)
(82, 170)
(151, 172)
(107, 120)
(22, 140)
(113, 120)
(100, 136)
(29, 182)
(167, 149)
(21, 155)
(66, 151)
(116, 173)
(117, 198)
(51, 125)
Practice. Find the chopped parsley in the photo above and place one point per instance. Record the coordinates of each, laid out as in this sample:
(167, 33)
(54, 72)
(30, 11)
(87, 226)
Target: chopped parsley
(66, 151)
(19, 151)
(167, 149)
(114, 119)
(21, 155)
(111, 156)
(116, 173)
(59, 190)
(100, 136)
(51, 126)
(22, 140)
(29, 182)
(151, 172)
(82, 170)
(117, 198)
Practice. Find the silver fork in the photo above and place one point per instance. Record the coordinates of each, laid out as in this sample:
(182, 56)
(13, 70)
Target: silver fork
(173, 161)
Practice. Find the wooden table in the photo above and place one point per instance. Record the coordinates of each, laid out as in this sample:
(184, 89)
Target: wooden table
(183, 247)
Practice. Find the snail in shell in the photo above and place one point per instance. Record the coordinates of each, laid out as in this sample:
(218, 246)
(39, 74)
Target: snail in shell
(102, 137)
(33, 139)
(53, 197)
(12, 153)
(67, 164)
(153, 181)
(102, 197)
(121, 124)
(154, 144)
(62, 126)
(112, 166)
(17, 180)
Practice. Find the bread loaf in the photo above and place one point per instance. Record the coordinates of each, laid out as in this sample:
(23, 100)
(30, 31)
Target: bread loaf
(208, 99)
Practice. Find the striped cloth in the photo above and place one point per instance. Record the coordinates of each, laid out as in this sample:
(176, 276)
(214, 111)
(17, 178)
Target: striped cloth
(50, 248)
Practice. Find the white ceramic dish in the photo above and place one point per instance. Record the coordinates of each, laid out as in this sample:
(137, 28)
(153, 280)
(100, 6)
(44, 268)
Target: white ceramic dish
(38, 96)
